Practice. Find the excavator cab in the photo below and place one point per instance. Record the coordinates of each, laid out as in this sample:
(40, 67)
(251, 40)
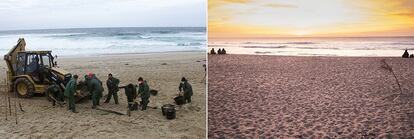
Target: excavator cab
(31, 72)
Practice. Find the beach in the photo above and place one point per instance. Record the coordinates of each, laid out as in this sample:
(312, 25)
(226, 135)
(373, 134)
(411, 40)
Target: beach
(163, 71)
(258, 96)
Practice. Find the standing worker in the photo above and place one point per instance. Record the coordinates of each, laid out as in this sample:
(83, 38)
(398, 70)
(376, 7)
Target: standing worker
(187, 89)
(131, 93)
(144, 92)
(70, 93)
(112, 84)
(100, 94)
(96, 89)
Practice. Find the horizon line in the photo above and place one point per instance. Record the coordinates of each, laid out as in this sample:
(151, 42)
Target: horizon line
(269, 37)
(104, 27)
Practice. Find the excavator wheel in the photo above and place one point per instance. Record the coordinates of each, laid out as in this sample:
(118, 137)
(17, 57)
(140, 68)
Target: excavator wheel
(24, 88)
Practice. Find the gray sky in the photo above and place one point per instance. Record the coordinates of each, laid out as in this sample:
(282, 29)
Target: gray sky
(48, 14)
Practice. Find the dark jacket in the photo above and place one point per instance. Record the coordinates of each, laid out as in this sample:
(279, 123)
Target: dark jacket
(186, 87)
(131, 93)
(112, 84)
(144, 90)
(96, 86)
(70, 88)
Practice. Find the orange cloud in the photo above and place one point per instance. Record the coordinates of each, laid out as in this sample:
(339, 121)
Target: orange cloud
(310, 18)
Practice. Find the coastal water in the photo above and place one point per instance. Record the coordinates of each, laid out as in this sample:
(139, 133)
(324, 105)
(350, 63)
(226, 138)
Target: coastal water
(313, 46)
(95, 41)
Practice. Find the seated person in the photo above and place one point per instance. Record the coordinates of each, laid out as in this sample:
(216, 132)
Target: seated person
(212, 51)
(33, 66)
(405, 55)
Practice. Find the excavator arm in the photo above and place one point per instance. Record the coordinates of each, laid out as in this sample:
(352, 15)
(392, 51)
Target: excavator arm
(11, 61)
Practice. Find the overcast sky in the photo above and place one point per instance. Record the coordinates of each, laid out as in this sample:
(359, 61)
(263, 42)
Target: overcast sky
(49, 14)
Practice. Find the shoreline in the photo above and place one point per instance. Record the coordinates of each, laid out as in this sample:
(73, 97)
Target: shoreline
(129, 54)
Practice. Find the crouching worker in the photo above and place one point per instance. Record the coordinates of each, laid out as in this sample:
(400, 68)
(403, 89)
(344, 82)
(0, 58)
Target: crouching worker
(144, 92)
(70, 93)
(131, 93)
(55, 94)
(187, 89)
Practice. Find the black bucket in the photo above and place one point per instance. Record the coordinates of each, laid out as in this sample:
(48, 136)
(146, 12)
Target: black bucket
(170, 113)
(179, 100)
(153, 92)
(165, 107)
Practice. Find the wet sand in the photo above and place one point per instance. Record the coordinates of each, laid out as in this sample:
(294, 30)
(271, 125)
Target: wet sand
(42, 120)
(253, 96)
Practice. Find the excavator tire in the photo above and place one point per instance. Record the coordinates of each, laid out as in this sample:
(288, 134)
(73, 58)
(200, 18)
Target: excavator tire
(24, 88)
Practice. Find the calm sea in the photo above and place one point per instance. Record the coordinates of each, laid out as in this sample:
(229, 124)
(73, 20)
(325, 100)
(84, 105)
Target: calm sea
(322, 46)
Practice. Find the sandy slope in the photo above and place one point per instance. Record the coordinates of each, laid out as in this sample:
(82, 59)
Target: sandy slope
(43, 120)
(304, 97)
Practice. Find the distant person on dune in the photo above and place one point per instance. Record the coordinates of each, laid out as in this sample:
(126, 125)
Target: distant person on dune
(405, 55)
(212, 51)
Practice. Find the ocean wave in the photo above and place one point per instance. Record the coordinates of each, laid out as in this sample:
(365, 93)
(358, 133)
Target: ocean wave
(313, 54)
(262, 52)
(126, 34)
(268, 47)
(330, 48)
(190, 44)
(276, 43)
(107, 40)
(217, 45)
(300, 43)
(402, 43)
(122, 35)
(164, 32)
(269, 43)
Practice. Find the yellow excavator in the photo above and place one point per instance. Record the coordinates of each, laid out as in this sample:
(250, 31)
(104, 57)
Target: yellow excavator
(31, 72)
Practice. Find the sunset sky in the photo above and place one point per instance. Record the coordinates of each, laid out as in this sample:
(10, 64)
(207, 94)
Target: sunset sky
(273, 18)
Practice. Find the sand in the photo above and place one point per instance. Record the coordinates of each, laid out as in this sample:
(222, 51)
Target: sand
(309, 97)
(42, 120)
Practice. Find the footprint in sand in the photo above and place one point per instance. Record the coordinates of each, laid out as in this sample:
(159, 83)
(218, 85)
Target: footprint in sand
(105, 131)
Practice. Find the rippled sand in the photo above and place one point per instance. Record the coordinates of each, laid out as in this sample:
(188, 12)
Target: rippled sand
(309, 97)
